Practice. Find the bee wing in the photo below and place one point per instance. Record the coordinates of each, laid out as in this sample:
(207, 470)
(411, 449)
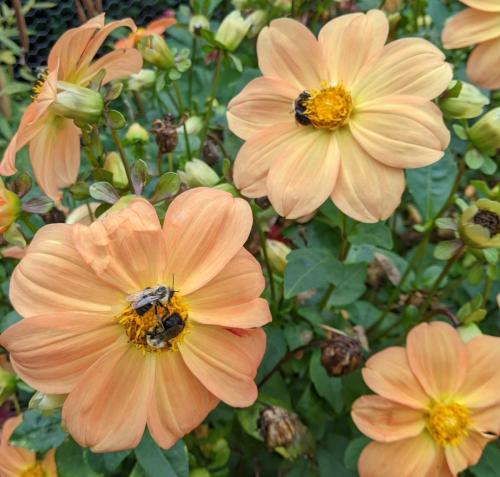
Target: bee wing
(145, 300)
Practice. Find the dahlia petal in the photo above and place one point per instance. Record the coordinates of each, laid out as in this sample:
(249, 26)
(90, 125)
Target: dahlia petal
(366, 189)
(303, 177)
(204, 229)
(119, 63)
(51, 351)
(255, 157)
(52, 277)
(482, 65)
(386, 421)
(469, 27)
(231, 297)
(225, 361)
(409, 66)
(159, 25)
(388, 374)
(401, 131)
(287, 50)
(108, 408)
(486, 421)
(438, 358)
(13, 460)
(49, 463)
(485, 5)
(262, 103)
(466, 453)
(351, 41)
(179, 401)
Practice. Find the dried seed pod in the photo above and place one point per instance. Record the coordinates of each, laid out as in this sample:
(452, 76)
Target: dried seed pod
(165, 132)
(277, 426)
(340, 354)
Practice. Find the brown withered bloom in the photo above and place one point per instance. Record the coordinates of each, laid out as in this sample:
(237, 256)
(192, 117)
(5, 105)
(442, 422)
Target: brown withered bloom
(165, 131)
(340, 354)
(277, 426)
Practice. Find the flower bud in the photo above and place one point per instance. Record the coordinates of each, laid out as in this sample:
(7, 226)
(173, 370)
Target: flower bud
(84, 105)
(46, 402)
(232, 30)
(7, 385)
(239, 4)
(228, 188)
(479, 225)
(340, 354)
(468, 332)
(277, 252)
(277, 427)
(10, 206)
(257, 20)
(142, 80)
(154, 50)
(485, 133)
(82, 214)
(136, 134)
(197, 23)
(193, 125)
(196, 173)
(468, 104)
(113, 164)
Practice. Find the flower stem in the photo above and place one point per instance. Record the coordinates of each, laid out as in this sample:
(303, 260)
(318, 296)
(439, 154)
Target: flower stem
(123, 158)
(190, 76)
(262, 239)
(158, 161)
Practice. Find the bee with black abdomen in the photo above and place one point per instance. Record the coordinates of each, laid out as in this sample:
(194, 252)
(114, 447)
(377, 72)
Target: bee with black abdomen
(299, 108)
(167, 329)
(157, 296)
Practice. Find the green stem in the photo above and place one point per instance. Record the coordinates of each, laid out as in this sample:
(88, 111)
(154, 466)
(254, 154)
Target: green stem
(186, 140)
(170, 162)
(89, 210)
(158, 161)
(486, 291)
(326, 297)
(178, 96)
(190, 76)
(262, 239)
(123, 158)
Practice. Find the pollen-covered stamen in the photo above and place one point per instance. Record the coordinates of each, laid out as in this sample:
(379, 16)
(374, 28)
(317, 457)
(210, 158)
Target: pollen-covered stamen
(327, 108)
(36, 470)
(40, 81)
(448, 423)
(489, 220)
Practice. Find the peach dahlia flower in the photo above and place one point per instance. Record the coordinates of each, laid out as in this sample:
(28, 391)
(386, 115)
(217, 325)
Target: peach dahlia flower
(477, 25)
(156, 27)
(437, 404)
(21, 462)
(54, 140)
(82, 333)
(338, 116)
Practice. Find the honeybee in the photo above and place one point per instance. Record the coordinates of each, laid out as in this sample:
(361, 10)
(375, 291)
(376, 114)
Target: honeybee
(167, 329)
(299, 109)
(157, 296)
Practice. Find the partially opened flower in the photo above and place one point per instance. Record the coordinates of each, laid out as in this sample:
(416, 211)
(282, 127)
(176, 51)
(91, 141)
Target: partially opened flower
(437, 404)
(338, 117)
(141, 323)
(21, 462)
(60, 96)
(156, 27)
(477, 25)
(10, 206)
(479, 225)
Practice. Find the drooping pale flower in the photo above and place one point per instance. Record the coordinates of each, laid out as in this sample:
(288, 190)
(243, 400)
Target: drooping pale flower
(126, 362)
(156, 27)
(477, 25)
(54, 140)
(468, 104)
(338, 116)
(21, 462)
(437, 404)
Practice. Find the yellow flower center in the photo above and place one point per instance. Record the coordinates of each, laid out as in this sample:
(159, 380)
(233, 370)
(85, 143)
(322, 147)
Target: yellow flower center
(40, 81)
(35, 470)
(326, 108)
(138, 34)
(155, 322)
(448, 423)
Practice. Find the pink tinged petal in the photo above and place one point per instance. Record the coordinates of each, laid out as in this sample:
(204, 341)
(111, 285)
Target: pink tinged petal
(55, 155)
(469, 27)
(304, 174)
(13, 460)
(179, 402)
(231, 297)
(416, 456)
(366, 189)
(351, 41)
(52, 351)
(401, 131)
(466, 453)
(287, 50)
(225, 361)
(107, 410)
(262, 103)
(386, 421)
(388, 374)
(485, 5)
(409, 66)
(482, 66)
(204, 229)
(482, 383)
(53, 277)
(438, 358)
(255, 157)
(159, 25)
(126, 248)
(118, 64)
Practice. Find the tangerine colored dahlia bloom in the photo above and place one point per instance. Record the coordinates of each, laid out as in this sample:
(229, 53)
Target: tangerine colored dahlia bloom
(437, 404)
(338, 116)
(124, 364)
(477, 25)
(156, 27)
(21, 462)
(54, 140)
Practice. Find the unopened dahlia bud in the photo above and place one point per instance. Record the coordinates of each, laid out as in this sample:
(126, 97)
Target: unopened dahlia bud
(479, 225)
(257, 20)
(142, 80)
(228, 188)
(340, 354)
(468, 104)
(277, 253)
(10, 206)
(113, 164)
(197, 23)
(485, 133)
(277, 427)
(232, 30)
(136, 134)
(7, 385)
(83, 214)
(193, 125)
(154, 50)
(468, 332)
(84, 105)
(46, 402)
(165, 134)
(198, 174)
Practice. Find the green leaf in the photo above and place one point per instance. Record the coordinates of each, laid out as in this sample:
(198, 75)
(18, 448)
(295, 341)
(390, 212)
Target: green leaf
(489, 465)
(474, 159)
(115, 119)
(377, 234)
(349, 281)
(104, 192)
(104, 463)
(326, 387)
(139, 175)
(331, 457)
(71, 462)
(353, 451)
(8, 320)
(445, 250)
(275, 350)
(460, 131)
(167, 186)
(38, 432)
